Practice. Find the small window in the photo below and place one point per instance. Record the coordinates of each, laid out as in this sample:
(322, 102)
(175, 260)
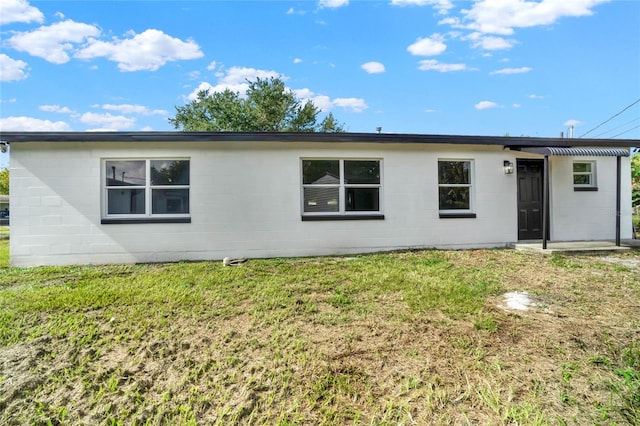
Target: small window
(139, 189)
(334, 187)
(455, 188)
(584, 176)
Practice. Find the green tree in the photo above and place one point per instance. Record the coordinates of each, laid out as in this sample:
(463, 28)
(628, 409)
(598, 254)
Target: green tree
(268, 107)
(4, 181)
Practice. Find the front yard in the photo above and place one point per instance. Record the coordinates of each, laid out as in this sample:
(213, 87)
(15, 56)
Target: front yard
(418, 337)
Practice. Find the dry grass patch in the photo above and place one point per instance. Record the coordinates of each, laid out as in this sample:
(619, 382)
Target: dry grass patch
(399, 338)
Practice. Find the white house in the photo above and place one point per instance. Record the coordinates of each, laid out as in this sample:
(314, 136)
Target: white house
(79, 198)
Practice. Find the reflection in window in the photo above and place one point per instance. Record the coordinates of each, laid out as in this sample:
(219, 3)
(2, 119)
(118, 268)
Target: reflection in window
(125, 173)
(146, 187)
(454, 185)
(340, 186)
(584, 174)
(125, 201)
(169, 172)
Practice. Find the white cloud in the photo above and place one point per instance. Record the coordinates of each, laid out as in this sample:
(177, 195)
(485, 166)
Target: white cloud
(373, 67)
(235, 80)
(107, 120)
(303, 93)
(30, 124)
(333, 3)
(572, 122)
(56, 108)
(355, 104)
(101, 129)
(485, 105)
(325, 103)
(236, 75)
(450, 20)
(502, 16)
(442, 6)
(19, 11)
(134, 109)
(147, 51)
(292, 11)
(433, 65)
(516, 105)
(534, 96)
(429, 46)
(297, 60)
(430, 110)
(493, 43)
(212, 66)
(12, 69)
(520, 70)
(52, 43)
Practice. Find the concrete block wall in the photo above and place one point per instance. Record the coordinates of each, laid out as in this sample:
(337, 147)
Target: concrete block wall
(245, 201)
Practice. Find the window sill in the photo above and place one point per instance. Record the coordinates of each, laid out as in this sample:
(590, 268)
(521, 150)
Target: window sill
(585, 188)
(316, 218)
(457, 215)
(129, 220)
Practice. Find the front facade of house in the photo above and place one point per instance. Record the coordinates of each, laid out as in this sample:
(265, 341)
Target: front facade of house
(81, 198)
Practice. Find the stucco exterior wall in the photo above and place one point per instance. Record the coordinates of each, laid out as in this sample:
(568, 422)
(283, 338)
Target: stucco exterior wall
(590, 215)
(245, 201)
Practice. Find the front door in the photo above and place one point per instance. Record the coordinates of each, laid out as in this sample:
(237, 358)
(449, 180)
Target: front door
(530, 199)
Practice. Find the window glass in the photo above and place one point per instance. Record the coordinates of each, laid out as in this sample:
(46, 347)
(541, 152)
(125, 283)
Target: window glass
(584, 173)
(581, 179)
(321, 172)
(125, 173)
(581, 167)
(362, 199)
(454, 198)
(321, 200)
(341, 186)
(454, 172)
(169, 201)
(126, 201)
(146, 187)
(358, 172)
(454, 185)
(169, 172)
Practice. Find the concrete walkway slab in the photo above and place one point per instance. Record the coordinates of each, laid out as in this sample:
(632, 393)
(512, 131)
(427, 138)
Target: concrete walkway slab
(583, 247)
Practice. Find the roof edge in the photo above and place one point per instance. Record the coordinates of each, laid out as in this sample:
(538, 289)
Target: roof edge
(287, 137)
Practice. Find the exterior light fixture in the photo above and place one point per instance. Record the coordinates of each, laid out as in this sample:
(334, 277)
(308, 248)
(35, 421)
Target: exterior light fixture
(508, 167)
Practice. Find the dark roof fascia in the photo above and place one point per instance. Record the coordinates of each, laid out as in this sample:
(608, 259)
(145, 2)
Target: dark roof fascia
(395, 138)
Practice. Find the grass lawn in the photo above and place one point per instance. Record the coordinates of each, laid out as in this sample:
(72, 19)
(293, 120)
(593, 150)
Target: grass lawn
(384, 339)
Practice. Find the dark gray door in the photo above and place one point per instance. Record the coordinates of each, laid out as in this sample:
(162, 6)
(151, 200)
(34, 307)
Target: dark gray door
(530, 199)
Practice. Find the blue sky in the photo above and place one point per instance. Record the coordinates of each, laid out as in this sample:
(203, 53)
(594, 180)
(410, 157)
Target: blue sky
(483, 67)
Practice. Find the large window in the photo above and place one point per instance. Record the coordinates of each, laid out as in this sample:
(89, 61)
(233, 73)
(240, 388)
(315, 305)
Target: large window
(341, 188)
(139, 189)
(455, 188)
(584, 176)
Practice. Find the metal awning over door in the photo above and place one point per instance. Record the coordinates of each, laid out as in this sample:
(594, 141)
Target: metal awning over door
(577, 152)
